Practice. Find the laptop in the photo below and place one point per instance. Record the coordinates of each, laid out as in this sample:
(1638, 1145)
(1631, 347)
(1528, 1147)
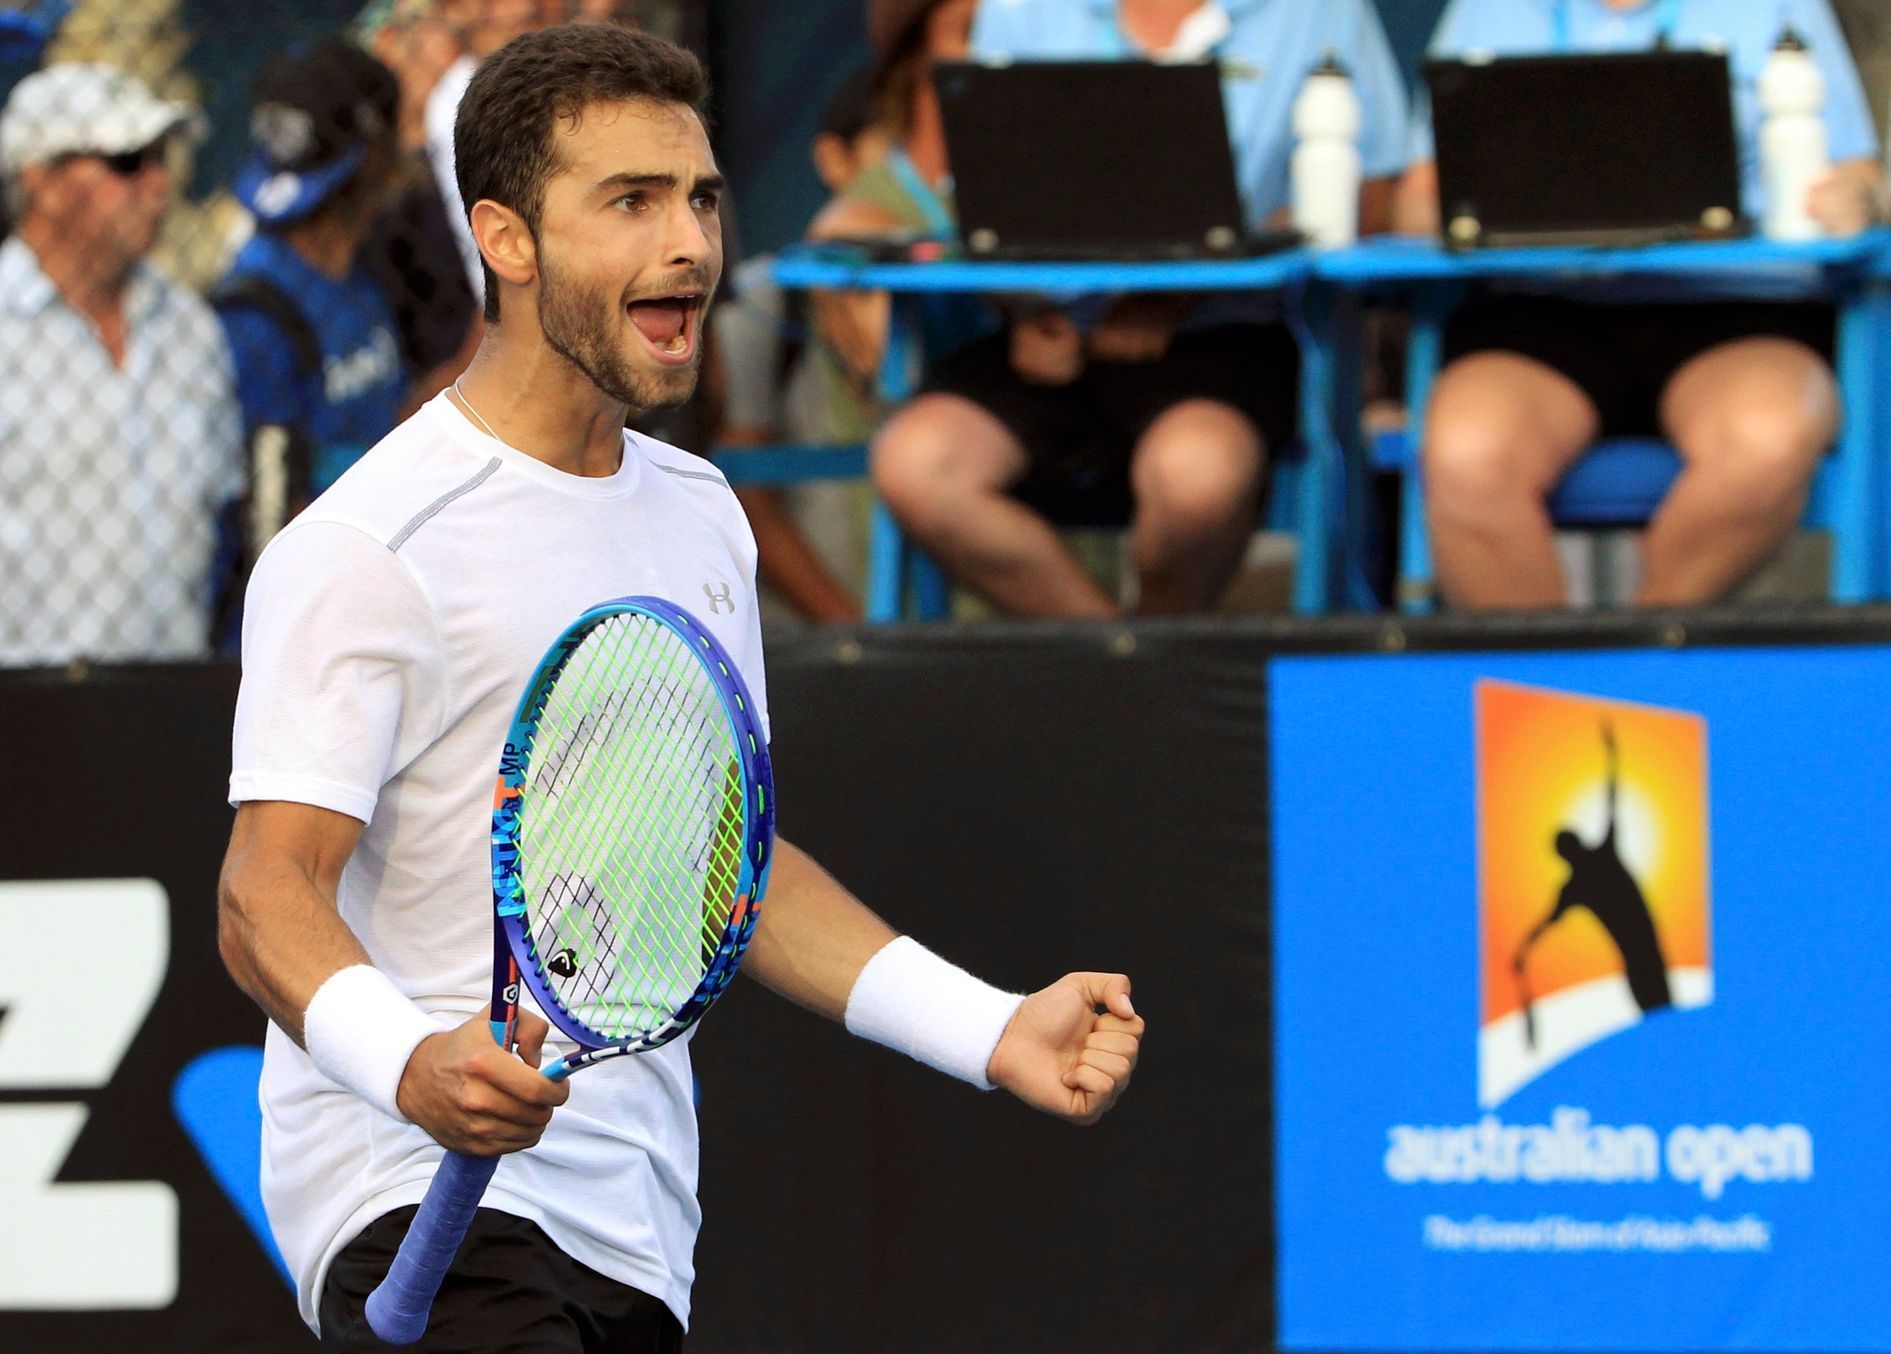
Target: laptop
(1117, 160)
(1622, 148)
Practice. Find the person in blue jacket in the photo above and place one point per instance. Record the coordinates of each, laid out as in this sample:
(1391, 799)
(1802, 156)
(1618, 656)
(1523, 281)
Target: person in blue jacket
(317, 350)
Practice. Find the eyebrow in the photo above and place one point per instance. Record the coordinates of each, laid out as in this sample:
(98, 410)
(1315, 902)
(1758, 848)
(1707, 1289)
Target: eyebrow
(617, 183)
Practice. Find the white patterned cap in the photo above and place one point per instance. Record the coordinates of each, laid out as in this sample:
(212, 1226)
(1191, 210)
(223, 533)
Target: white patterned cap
(82, 108)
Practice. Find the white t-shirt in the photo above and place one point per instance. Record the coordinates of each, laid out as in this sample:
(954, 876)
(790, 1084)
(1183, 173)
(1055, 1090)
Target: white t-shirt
(388, 633)
(443, 105)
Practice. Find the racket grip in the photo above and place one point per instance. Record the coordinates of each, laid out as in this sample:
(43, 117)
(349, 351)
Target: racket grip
(399, 1305)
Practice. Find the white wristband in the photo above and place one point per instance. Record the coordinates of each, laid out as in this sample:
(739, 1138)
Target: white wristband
(910, 999)
(360, 1030)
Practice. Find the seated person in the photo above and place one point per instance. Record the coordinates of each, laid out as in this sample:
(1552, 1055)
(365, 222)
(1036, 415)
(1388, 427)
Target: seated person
(770, 386)
(318, 354)
(1745, 390)
(1166, 405)
(904, 189)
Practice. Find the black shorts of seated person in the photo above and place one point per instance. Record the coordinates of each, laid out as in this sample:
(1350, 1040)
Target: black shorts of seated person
(1079, 437)
(1623, 356)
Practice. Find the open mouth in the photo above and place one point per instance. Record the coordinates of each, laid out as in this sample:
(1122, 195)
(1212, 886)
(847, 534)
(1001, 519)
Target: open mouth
(669, 324)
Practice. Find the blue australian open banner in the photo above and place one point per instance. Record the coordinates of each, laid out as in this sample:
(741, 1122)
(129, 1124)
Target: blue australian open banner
(1581, 1018)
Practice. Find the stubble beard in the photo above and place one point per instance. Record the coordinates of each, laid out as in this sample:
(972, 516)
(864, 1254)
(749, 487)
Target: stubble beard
(581, 326)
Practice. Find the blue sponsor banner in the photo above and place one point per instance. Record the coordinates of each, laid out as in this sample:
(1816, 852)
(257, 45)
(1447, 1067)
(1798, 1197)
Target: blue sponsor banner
(1581, 1012)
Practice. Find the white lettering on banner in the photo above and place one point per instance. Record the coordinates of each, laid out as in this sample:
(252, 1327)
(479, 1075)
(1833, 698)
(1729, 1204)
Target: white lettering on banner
(1637, 1232)
(77, 1247)
(66, 1025)
(1571, 1149)
(1718, 1153)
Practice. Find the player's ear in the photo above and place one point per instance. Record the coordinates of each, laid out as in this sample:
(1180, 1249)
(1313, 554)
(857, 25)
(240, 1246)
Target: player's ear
(504, 240)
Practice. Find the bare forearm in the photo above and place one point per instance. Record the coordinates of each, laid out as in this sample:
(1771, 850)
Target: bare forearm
(814, 936)
(1376, 199)
(1415, 201)
(279, 932)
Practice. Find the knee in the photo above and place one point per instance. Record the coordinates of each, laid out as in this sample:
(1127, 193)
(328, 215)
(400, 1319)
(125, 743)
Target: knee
(1765, 452)
(1478, 457)
(933, 452)
(1201, 462)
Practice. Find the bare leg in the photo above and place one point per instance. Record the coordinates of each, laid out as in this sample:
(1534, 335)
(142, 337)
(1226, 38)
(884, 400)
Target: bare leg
(1751, 420)
(1197, 479)
(1500, 432)
(943, 464)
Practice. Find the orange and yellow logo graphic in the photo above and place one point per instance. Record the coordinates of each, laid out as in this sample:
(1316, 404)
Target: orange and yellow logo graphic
(1592, 874)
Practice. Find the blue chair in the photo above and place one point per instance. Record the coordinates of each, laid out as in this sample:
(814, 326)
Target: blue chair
(1617, 484)
(1620, 482)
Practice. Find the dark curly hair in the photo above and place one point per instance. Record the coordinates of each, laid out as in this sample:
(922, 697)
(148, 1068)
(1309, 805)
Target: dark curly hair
(503, 143)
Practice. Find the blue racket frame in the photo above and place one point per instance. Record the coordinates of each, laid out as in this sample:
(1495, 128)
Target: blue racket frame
(397, 1310)
(512, 937)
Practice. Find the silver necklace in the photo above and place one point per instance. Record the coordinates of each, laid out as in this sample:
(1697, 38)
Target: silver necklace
(476, 415)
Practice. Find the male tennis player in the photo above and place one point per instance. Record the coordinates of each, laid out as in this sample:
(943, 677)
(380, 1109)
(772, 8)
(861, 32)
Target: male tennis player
(388, 633)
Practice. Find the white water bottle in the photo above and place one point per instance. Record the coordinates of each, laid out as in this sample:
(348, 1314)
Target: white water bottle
(1793, 151)
(1326, 165)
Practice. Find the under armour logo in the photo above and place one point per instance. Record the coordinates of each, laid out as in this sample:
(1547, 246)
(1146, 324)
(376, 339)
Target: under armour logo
(718, 599)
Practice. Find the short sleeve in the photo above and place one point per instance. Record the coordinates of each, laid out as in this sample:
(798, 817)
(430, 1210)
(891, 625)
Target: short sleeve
(1381, 92)
(1005, 28)
(224, 424)
(343, 672)
(748, 325)
(1456, 30)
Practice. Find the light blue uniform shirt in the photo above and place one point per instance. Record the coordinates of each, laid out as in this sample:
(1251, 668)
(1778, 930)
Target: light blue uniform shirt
(1266, 52)
(1745, 29)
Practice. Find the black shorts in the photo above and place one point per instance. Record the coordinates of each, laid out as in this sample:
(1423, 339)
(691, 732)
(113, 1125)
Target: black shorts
(509, 1289)
(1624, 356)
(1079, 436)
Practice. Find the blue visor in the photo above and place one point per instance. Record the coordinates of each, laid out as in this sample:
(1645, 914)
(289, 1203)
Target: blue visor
(278, 196)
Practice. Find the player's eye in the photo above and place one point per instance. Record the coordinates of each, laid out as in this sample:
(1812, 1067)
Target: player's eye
(707, 201)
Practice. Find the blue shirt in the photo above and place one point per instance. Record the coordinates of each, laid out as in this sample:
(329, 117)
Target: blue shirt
(354, 399)
(1267, 49)
(1745, 29)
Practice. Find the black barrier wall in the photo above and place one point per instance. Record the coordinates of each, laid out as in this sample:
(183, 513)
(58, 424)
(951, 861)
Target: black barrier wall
(1025, 800)
(1027, 805)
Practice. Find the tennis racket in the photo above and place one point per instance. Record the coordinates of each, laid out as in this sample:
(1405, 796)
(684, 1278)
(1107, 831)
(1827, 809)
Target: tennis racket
(632, 827)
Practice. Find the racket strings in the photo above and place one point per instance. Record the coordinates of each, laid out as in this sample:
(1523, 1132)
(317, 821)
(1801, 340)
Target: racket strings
(631, 828)
(594, 973)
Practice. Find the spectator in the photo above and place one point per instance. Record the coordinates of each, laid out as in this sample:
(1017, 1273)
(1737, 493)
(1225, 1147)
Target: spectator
(1744, 391)
(1168, 406)
(774, 388)
(317, 353)
(484, 27)
(1867, 26)
(903, 189)
(119, 439)
(414, 252)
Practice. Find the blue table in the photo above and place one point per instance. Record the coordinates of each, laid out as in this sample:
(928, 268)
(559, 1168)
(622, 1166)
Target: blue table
(1855, 273)
(897, 571)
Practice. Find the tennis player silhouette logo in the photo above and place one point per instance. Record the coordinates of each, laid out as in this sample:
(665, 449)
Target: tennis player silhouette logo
(1602, 883)
(1593, 874)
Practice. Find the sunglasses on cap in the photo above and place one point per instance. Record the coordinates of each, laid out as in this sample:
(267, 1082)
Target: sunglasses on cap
(125, 163)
